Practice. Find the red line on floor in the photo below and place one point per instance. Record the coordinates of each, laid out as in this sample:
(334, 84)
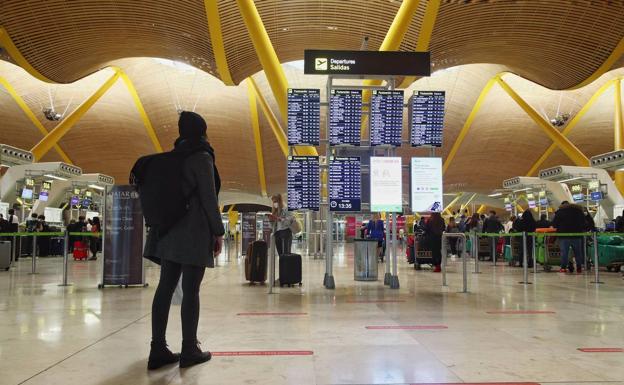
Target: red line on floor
(264, 353)
(269, 314)
(520, 312)
(601, 350)
(476, 383)
(376, 301)
(408, 327)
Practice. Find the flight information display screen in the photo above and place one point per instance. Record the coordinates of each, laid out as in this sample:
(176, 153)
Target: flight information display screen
(304, 183)
(386, 118)
(345, 184)
(345, 117)
(426, 117)
(304, 116)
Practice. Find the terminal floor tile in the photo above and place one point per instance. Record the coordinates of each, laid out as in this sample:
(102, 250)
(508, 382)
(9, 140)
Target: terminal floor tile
(360, 333)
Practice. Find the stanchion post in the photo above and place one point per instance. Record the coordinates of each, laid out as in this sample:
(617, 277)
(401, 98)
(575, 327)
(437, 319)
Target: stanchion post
(596, 266)
(394, 283)
(34, 254)
(585, 253)
(65, 259)
(474, 250)
(493, 244)
(443, 253)
(534, 246)
(14, 250)
(525, 263)
(465, 265)
(272, 261)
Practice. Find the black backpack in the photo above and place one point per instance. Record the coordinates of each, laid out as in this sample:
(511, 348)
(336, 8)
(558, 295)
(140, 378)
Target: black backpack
(159, 179)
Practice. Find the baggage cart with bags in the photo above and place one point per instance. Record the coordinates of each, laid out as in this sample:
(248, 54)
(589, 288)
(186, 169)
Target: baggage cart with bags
(256, 262)
(423, 254)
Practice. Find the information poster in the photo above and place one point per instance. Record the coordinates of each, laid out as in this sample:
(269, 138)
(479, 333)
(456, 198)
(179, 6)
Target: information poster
(123, 240)
(426, 118)
(4, 209)
(426, 184)
(386, 118)
(304, 183)
(386, 184)
(304, 116)
(345, 184)
(248, 223)
(345, 117)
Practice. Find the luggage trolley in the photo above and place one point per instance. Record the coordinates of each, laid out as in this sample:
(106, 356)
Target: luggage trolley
(548, 251)
(418, 252)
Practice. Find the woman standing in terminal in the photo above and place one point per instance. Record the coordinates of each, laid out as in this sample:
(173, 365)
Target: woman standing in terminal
(283, 219)
(188, 247)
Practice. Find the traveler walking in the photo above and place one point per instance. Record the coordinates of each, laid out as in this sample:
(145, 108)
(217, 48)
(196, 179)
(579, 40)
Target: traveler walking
(94, 242)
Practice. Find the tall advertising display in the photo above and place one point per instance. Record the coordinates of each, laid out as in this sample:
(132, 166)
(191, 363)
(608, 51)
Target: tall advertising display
(426, 185)
(123, 238)
(248, 225)
(386, 184)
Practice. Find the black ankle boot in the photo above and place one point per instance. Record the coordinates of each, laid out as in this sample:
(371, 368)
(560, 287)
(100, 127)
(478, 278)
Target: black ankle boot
(192, 354)
(160, 355)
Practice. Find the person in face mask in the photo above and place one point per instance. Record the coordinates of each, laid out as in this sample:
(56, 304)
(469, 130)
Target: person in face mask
(283, 219)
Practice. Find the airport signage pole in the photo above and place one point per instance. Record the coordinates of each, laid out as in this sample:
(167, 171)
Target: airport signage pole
(34, 254)
(65, 258)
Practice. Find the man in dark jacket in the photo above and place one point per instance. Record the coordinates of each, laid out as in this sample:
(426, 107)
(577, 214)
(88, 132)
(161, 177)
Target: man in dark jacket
(543, 223)
(188, 247)
(492, 225)
(570, 219)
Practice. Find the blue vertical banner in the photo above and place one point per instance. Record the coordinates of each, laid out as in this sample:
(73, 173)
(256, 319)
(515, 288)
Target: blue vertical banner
(123, 237)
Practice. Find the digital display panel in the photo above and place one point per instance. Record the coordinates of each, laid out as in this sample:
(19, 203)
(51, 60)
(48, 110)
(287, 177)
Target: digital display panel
(27, 193)
(43, 196)
(345, 117)
(426, 118)
(386, 118)
(597, 195)
(77, 191)
(46, 186)
(29, 182)
(304, 116)
(426, 184)
(339, 62)
(304, 183)
(74, 201)
(345, 184)
(386, 184)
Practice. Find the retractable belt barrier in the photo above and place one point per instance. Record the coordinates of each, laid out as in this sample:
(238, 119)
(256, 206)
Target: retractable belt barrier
(534, 235)
(36, 235)
(461, 236)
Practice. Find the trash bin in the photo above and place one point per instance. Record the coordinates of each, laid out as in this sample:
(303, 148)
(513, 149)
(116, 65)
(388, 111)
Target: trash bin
(365, 261)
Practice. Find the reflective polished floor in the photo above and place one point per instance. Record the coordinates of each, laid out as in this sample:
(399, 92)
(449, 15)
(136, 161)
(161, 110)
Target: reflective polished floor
(360, 333)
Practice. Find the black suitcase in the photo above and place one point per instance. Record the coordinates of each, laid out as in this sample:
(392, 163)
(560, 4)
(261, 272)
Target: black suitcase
(290, 269)
(256, 262)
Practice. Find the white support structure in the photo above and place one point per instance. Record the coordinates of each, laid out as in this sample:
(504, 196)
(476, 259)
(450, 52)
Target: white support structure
(559, 192)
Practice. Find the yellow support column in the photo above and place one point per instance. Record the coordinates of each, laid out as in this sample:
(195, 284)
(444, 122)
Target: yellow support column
(139, 106)
(66, 124)
(31, 115)
(561, 141)
(447, 208)
(216, 40)
(618, 129)
(464, 131)
(481, 209)
(424, 35)
(255, 124)
(16, 55)
(266, 53)
(535, 168)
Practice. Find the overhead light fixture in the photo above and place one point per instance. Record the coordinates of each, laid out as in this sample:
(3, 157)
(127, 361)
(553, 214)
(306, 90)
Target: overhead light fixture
(96, 187)
(54, 177)
(495, 195)
(571, 179)
(522, 189)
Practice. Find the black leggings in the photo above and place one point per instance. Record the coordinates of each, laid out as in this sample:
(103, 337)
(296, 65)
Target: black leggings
(169, 277)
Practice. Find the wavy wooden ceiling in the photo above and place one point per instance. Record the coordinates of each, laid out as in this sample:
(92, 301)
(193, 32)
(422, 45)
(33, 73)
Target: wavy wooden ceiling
(555, 43)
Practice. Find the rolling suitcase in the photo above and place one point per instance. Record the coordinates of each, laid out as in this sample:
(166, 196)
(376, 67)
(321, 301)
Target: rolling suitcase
(5, 255)
(290, 269)
(256, 262)
(80, 250)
